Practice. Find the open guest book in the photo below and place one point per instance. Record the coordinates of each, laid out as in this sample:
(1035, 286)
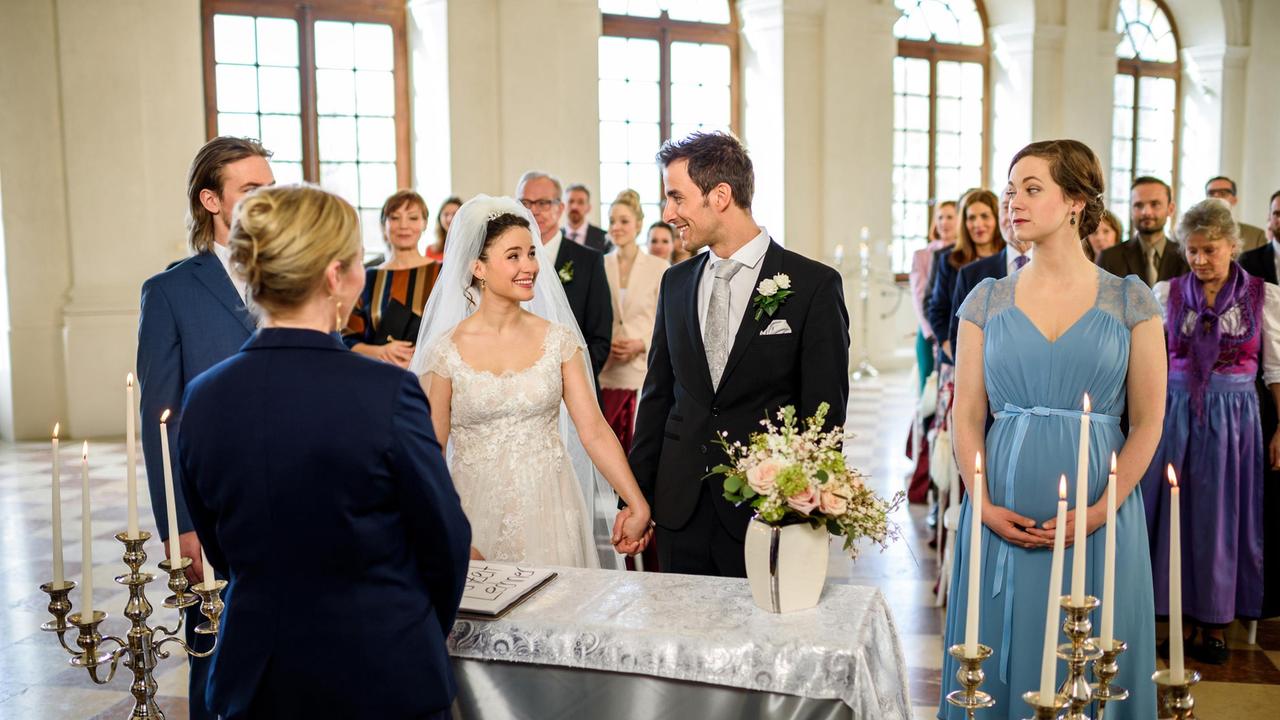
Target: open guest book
(494, 588)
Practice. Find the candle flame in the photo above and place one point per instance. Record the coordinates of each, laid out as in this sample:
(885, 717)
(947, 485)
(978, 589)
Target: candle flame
(55, 429)
(1173, 478)
(164, 417)
(1062, 488)
(1087, 406)
(977, 462)
(84, 454)
(128, 380)
(1113, 463)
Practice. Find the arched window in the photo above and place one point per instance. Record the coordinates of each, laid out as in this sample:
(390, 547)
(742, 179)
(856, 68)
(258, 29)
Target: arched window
(324, 86)
(667, 68)
(1146, 123)
(940, 114)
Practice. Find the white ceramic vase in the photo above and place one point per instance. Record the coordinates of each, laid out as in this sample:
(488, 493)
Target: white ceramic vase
(787, 565)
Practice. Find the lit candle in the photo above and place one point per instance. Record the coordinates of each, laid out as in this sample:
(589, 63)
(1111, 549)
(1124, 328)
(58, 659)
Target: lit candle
(1175, 581)
(86, 537)
(59, 575)
(170, 505)
(1049, 662)
(975, 560)
(206, 580)
(1078, 551)
(1109, 562)
(131, 450)
(839, 255)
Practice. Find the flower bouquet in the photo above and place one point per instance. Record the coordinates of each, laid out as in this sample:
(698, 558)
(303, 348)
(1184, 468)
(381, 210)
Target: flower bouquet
(796, 478)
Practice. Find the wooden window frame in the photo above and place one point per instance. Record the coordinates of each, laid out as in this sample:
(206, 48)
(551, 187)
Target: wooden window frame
(1139, 69)
(935, 52)
(306, 13)
(666, 31)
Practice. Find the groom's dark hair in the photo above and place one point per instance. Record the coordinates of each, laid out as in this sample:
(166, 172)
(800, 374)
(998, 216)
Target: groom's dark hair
(714, 158)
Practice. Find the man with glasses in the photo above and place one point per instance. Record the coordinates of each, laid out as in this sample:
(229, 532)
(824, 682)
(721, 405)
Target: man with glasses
(1224, 188)
(580, 269)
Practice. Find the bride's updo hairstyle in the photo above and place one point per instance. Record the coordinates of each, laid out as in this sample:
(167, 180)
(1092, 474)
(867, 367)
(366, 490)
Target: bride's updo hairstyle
(1076, 170)
(284, 236)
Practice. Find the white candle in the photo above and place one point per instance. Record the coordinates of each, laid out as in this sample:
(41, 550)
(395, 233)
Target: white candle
(1078, 551)
(1049, 661)
(131, 450)
(206, 579)
(59, 575)
(1175, 581)
(86, 538)
(975, 560)
(1109, 562)
(170, 505)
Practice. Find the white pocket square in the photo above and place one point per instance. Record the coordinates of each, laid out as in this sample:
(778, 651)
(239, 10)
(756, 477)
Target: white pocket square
(777, 327)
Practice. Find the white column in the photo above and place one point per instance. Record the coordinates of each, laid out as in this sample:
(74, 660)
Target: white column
(1212, 117)
(428, 31)
(1260, 173)
(762, 57)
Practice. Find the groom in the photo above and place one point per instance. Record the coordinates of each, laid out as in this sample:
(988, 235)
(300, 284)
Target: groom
(714, 366)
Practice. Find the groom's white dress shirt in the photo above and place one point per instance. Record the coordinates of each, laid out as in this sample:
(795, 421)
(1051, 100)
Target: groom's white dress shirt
(741, 285)
(224, 256)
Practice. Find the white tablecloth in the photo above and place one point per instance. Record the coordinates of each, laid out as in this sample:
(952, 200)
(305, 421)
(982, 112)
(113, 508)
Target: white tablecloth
(703, 630)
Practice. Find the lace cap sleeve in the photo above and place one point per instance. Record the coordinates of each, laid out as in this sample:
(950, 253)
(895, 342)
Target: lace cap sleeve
(1140, 302)
(976, 307)
(565, 342)
(437, 358)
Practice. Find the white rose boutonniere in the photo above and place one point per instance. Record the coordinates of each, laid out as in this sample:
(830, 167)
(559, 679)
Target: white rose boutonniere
(770, 294)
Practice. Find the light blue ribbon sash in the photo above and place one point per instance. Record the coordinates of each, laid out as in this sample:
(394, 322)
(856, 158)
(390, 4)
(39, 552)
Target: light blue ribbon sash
(1004, 560)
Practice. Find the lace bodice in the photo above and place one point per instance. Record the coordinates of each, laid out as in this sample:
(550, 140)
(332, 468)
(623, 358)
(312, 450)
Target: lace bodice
(507, 456)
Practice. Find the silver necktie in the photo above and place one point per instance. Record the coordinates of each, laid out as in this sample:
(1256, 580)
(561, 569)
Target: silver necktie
(719, 339)
(1153, 272)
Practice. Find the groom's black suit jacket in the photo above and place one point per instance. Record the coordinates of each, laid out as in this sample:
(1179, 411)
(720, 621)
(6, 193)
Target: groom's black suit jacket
(588, 294)
(680, 414)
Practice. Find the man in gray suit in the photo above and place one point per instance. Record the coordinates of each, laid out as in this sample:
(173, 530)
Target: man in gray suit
(1224, 188)
(1148, 253)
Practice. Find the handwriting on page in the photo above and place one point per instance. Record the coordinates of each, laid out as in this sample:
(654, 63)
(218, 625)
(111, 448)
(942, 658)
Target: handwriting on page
(486, 582)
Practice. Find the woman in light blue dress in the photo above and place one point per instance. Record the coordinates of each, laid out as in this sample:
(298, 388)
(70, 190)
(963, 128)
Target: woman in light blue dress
(1030, 346)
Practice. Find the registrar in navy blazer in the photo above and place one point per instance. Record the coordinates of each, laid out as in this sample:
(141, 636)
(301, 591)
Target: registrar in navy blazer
(316, 484)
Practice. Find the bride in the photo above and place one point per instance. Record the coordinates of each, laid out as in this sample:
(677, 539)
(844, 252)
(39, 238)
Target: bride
(498, 353)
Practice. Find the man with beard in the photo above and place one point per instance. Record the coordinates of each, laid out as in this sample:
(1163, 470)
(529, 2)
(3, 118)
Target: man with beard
(577, 200)
(1148, 254)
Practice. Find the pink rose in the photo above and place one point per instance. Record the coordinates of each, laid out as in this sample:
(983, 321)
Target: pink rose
(804, 501)
(831, 503)
(762, 477)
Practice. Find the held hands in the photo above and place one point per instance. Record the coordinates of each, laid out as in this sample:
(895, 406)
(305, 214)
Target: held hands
(632, 530)
(395, 352)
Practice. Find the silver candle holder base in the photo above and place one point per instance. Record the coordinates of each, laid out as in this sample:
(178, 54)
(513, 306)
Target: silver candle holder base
(1178, 702)
(1105, 669)
(970, 676)
(1042, 711)
(1078, 653)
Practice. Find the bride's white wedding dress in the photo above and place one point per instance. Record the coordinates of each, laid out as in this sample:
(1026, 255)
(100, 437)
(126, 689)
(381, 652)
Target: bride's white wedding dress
(507, 458)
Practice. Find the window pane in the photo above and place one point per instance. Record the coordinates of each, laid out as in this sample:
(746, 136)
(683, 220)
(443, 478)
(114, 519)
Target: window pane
(374, 47)
(613, 58)
(335, 92)
(278, 90)
(613, 142)
(337, 138)
(286, 172)
(642, 101)
(613, 100)
(709, 11)
(278, 42)
(282, 135)
(1146, 33)
(377, 183)
(642, 142)
(371, 231)
(239, 125)
(375, 93)
(642, 59)
(644, 8)
(335, 45)
(233, 39)
(377, 137)
(237, 88)
(948, 21)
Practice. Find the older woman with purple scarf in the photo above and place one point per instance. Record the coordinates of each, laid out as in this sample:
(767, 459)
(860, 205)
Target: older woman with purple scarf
(1221, 323)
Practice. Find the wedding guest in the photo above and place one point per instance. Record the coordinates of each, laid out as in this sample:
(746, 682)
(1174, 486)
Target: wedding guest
(979, 237)
(1264, 263)
(386, 318)
(662, 241)
(942, 234)
(634, 278)
(1030, 345)
(194, 315)
(1222, 323)
(320, 510)
(580, 269)
(1105, 237)
(1224, 189)
(1015, 255)
(578, 229)
(679, 252)
(444, 218)
(1148, 253)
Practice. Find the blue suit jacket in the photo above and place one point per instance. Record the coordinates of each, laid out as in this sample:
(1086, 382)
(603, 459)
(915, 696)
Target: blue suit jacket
(996, 266)
(316, 484)
(192, 317)
(939, 308)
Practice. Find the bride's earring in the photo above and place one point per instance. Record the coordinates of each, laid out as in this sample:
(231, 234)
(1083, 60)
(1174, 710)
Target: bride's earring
(484, 285)
(1073, 217)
